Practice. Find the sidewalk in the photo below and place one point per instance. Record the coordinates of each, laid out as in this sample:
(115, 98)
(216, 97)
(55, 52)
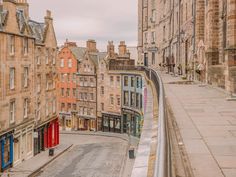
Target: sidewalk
(29, 166)
(207, 123)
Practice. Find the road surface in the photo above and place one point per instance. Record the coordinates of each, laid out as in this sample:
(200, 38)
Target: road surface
(91, 156)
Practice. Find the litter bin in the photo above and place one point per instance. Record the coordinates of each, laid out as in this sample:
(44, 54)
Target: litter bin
(51, 152)
(131, 153)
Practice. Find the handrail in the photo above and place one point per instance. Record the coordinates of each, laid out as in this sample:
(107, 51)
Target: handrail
(163, 163)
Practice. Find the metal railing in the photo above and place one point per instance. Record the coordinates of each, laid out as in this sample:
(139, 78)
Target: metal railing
(163, 161)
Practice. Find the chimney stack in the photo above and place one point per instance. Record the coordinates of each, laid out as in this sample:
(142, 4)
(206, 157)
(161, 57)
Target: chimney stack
(111, 49)
(70, 44)
(23, 4)
(91, 45)
(122, 48)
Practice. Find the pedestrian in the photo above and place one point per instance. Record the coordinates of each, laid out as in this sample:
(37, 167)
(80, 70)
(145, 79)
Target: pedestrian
(168, 65)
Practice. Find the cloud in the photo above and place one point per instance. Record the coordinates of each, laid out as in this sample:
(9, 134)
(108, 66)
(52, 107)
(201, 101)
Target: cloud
(79, 20)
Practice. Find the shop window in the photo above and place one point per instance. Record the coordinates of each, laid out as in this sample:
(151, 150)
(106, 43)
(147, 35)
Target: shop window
(74, 92)
(126, 81)
(68, 123)
(105, 122)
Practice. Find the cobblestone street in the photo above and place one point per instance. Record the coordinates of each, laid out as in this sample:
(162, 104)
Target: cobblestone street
(95, 156)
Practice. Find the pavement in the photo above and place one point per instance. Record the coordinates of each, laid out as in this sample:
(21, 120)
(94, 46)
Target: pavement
(31, 165)
(147, 145)
(207, 125)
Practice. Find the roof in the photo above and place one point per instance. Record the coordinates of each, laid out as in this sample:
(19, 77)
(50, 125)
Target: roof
(37, 30)
(78, 52)
(3, 17)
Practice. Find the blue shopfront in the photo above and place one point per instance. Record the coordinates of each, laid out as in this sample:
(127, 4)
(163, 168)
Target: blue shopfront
(6, 142)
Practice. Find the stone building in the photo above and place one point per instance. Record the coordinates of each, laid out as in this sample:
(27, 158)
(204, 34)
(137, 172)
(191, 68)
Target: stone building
(20, 39)
(194, 36)
(67, 85)
(110, 88)
(87, 87)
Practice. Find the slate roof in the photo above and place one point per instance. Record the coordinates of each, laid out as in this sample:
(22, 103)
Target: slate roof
(78, 52)
(37, 30)
(3, 18)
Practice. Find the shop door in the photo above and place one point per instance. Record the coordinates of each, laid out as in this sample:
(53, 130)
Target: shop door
(23, 147)
(86, 124)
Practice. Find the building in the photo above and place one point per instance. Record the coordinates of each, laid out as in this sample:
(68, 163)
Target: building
(87, 87)
(67, 85)
(132, 103)
(20, 39)
(195, 39)
(110, 90)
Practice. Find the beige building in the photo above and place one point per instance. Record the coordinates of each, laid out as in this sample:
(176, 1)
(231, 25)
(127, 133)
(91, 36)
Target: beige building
(19, 70)
(192, 37)
(109, 88)
(87, 87)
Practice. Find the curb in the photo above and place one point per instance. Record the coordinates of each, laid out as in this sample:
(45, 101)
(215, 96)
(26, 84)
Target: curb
(37, 171)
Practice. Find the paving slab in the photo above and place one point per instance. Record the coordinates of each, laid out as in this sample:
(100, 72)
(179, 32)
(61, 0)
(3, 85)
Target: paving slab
(207, 124)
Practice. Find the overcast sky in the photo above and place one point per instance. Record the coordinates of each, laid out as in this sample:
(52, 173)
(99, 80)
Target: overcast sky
(79, 20)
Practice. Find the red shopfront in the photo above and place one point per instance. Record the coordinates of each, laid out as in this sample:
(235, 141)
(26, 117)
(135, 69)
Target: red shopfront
(47, 136)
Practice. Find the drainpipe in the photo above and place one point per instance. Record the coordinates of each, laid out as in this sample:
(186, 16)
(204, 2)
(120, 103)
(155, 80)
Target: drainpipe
(194, 38)
(179, 36)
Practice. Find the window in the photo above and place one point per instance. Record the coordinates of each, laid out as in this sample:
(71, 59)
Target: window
(126, 98)
(132, 100)
(38, 60)
(69, 63)
(47, 56)
(54, 57)
(102, 106)
(102, 76)
(102, 90)
(62, 91)
(12, 111)
(126, 81)
(85, 82)
(25, 108)
(118, 79)
(81, 81)
(26, 75)
(74, 77)
(91, 97)
(85, 96)
(153, 15)
(12, 78)
(91, 111)
(54, 105)
(132, 81)
(153, 58)
(68, 77)
(81, 96)
(74, 92)
(74, 107)
(25, 46)
(111, 99)
(153, 37)
(145, 37)
(11, 45)
(62, 63)
(118, 100)
(91, 82)
(62, 106)
(137, 100)
(67, 92)
(68, 106)
(137, 82)
(111, 79)
(141, 102)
